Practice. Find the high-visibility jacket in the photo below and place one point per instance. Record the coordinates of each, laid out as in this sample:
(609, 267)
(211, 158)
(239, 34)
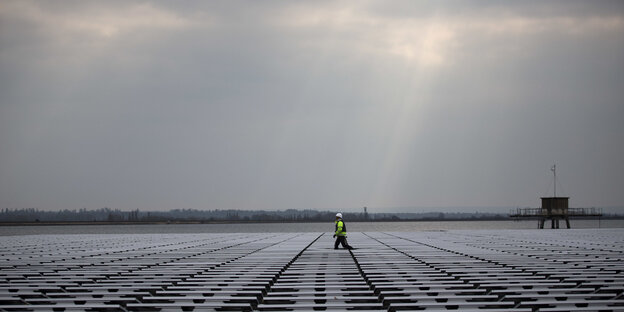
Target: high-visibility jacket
(341, 228)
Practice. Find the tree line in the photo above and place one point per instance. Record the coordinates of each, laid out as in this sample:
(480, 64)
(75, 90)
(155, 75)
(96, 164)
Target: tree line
(193, 215)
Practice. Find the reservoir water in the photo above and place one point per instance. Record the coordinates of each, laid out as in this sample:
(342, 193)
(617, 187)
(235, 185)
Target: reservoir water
(293, 227)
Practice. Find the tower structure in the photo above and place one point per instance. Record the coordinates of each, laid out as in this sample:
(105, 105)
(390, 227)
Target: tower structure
(555, 209)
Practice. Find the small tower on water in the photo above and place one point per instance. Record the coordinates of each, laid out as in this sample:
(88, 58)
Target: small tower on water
(554, 209)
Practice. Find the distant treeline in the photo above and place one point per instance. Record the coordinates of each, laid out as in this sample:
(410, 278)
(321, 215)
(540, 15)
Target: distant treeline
(30, 215)
(193, 215)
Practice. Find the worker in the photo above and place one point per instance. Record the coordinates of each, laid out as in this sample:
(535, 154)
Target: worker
(341, 233)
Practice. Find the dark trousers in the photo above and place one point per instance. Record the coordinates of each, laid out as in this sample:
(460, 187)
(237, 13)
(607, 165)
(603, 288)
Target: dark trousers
(341, 240)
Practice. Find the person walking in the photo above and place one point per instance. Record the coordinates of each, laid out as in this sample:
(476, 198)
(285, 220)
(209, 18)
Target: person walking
(341, 233)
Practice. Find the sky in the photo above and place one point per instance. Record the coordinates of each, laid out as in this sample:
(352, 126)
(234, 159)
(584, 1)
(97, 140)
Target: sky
(310, 104)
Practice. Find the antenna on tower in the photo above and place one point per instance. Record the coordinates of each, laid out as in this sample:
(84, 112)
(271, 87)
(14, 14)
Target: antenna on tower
(554, 170)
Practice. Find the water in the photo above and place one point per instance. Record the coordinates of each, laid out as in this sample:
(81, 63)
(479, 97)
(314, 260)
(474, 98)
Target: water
(294, 227)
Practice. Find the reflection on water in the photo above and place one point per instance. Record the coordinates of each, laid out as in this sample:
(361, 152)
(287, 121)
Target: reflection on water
(293, 227)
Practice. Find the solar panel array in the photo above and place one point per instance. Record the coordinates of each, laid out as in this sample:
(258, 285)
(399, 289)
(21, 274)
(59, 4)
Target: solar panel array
(519, 270)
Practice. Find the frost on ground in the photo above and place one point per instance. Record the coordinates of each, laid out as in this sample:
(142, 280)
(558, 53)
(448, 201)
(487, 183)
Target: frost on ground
(514, 270)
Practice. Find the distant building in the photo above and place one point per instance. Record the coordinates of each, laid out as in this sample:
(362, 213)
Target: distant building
(554, 209)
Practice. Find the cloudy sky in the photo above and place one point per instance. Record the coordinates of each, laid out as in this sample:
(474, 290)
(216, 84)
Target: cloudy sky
(318, 104)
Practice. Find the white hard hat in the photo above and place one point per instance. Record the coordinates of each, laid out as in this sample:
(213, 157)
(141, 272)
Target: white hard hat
(339, 215)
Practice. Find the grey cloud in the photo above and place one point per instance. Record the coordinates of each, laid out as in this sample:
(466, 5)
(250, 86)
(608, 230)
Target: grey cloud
(232, 106)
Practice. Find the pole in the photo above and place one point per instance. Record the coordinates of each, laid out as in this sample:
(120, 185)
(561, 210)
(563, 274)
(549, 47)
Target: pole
(554, 170)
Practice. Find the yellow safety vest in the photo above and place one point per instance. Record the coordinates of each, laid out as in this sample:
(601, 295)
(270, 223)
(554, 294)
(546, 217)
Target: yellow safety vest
(341, 229)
